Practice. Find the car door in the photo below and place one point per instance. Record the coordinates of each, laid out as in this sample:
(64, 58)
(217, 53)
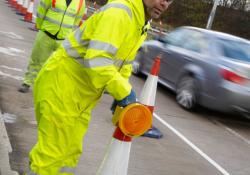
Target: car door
(192, 53)
(170, 55)
(185, 51)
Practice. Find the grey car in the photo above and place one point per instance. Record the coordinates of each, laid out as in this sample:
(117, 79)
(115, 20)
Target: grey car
(203, 67)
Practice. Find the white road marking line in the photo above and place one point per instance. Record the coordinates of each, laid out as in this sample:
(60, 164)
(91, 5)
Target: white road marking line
(233, 132)
(11, 51)
(216, 165)
(9, 118)
(11, 35)
(11, 68)
(11, 76)
(238, 135)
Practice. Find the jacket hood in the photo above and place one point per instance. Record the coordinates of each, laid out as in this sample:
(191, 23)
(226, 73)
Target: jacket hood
(137, 8)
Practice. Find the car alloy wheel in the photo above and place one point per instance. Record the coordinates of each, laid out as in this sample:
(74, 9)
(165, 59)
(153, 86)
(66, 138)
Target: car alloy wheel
(186, 96)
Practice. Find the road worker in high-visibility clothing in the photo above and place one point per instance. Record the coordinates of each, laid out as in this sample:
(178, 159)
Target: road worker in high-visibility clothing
(55, 20)
(95, 58)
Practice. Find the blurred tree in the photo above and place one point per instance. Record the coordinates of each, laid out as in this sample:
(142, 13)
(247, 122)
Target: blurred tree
(232, 16)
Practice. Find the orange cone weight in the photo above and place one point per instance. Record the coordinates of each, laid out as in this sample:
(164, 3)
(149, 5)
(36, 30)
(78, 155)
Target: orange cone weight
(132, 120)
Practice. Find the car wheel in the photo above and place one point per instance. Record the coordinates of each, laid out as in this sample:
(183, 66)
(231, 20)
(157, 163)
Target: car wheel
(186, 96)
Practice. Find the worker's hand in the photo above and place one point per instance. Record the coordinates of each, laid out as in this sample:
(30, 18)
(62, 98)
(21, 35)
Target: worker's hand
(131, 98)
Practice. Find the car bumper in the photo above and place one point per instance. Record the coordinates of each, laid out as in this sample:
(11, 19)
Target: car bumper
(235, 98)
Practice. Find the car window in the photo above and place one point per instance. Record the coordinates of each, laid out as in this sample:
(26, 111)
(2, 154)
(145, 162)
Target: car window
(195, 41)
(235, 49)
(176, 37)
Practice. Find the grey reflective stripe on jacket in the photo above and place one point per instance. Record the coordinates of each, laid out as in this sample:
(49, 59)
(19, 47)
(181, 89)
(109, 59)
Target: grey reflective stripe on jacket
(39, 15)
(67, 170)
(57, 22)
(63, 11)
(54, 21)
(70, 51)
(116, 5)
(42, 4)
(95, 62)
(98, 45)
(101, 61)
(93, 44)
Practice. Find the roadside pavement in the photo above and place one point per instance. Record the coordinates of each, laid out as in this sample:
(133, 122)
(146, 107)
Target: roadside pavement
(5, 149)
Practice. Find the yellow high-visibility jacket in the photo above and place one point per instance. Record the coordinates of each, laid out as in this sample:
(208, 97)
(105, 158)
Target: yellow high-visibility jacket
(55, 17)
(106, 45)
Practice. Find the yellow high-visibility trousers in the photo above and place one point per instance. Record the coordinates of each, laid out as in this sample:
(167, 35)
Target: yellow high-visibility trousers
(63, 103)
(43, 47)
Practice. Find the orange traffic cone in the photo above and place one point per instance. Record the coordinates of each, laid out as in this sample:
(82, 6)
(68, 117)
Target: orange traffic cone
(13, 3)
(19, 6)
(25, 7)
(117, 156)
(28, 15)
(133, 121)
(147, 96)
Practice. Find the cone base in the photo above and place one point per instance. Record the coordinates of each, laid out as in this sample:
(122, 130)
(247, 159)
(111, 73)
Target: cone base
(116, 158)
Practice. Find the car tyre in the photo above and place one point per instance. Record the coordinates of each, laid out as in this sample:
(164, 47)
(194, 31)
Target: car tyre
(186, 93)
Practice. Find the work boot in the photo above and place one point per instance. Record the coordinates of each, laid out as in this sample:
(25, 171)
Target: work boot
(153, 133)
(24, 88)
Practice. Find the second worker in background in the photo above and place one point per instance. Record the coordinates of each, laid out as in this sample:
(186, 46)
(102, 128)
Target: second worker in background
(55, 20)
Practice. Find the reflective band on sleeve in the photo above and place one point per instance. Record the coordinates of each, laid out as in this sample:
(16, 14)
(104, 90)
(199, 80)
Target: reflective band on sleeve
(116, 5)
(58, 23)
(79, 17)
(70, 51)
(78, 34)
(98, 45)
(95, 62)
(39, 15)
(67, 170)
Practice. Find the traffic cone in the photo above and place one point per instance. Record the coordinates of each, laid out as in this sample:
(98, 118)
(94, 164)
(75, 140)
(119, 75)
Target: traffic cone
(132, 120)
(117, 156)
(28, 15)
(19, 7)
(147, 96)
(13, 3)
(25, 7)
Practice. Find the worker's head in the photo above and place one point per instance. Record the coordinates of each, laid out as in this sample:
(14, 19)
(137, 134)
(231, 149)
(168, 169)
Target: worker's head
(154, 8)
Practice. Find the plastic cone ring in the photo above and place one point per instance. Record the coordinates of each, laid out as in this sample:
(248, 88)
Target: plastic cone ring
(135, 119)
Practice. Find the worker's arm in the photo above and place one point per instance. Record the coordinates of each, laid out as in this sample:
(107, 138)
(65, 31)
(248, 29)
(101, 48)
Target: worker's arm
(42, 9)
(109, 34)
